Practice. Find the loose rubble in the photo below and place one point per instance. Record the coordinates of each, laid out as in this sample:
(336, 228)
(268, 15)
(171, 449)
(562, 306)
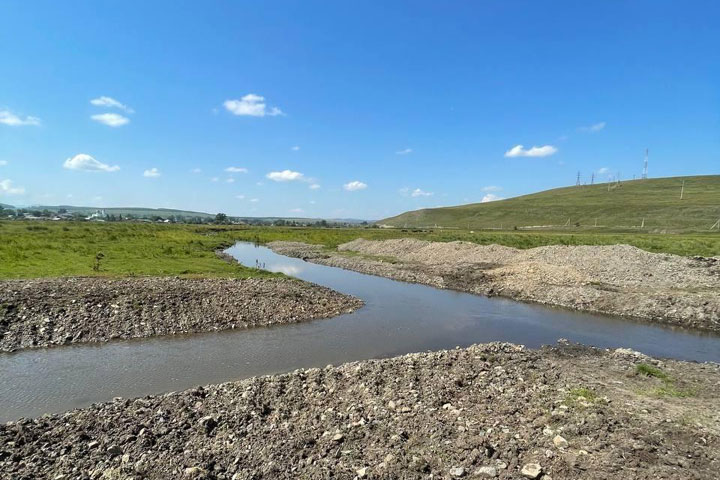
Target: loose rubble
(618, 280)
(488, 411)
(61, 311)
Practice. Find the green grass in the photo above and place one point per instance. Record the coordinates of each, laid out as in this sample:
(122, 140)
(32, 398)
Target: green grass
(680, 244)
(650, 371)
(580, 394)
(51, 249)
(667, 387)
(609, 206)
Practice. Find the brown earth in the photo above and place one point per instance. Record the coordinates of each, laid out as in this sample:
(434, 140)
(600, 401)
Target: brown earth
(59, 311)
(618, 279)
(488, 411)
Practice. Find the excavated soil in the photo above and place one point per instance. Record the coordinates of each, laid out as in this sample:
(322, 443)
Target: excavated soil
(488, 411)
(617, 280)
(61, 311)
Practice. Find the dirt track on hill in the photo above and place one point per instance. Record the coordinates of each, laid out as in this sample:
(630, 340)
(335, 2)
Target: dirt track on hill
(488, 411)
(61, 311)
(618, 279)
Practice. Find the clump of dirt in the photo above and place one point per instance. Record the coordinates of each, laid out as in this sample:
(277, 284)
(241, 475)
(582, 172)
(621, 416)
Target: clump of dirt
(60, 311)
(488, 411)
(616, 279)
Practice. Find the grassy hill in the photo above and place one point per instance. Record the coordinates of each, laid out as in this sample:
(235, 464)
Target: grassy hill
(609, 206)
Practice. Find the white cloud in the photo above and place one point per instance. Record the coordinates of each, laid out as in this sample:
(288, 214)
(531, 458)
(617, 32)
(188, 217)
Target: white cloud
(355, 186)
(491, 188)
(296, 210)
(254, 200)
(229, 180)
(9, 118)
(152, 173)
(236, 170)
(312, 202)
(240, 197)
(593, 128)
(490, 197)
(110, 103)
(295, 148)
(3, 163)
(420, 193)
(85, 162)
(519, 151)
(196, 170)
(111, 119)
(7, 188)
(314, 186)
(404, 151)
(285, 176)
(251, 105)
(215, 179)
(603, 170)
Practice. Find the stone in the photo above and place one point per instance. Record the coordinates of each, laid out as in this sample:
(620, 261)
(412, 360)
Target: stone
(531, 470)
(338, 437)
(361, 472)
(457, 472)
(560, 442)
(114, 450)
(486, 472)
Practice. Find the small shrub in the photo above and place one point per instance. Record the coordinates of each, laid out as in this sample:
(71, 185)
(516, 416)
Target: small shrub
(650, 371)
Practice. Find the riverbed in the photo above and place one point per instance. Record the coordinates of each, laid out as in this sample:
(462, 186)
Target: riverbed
(397, 318)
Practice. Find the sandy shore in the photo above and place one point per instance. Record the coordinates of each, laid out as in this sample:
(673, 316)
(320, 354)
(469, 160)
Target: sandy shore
(617, 280)
(488, 411)
(61, 311)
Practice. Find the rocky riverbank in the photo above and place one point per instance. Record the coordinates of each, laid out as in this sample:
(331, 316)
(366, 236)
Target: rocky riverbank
(61, 311)
(618, 279)
(488, 411)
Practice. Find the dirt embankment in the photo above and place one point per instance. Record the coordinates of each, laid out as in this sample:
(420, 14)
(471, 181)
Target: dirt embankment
(619, 279)
(60, 311)
(488, 411)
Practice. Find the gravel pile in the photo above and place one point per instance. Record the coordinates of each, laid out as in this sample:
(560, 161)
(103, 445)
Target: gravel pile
(617, 279)
(60, 311)
(488, 411)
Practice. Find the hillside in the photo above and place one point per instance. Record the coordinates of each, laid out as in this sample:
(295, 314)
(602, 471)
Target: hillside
(137, 211)
(607, 206)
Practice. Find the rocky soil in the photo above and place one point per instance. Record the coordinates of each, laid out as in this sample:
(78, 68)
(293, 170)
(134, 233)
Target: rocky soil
(60, 311)
(488, 411)
(618, 279)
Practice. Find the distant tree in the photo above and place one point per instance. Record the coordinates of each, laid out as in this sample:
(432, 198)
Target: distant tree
(221, 218)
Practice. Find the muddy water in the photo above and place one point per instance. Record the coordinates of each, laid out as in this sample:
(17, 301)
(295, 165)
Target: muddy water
(397, 318)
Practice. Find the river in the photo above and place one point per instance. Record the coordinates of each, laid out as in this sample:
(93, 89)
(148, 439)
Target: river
(397, 318)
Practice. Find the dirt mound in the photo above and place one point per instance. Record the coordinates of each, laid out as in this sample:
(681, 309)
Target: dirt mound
(615, 279)
(59, 311)
(488, 411)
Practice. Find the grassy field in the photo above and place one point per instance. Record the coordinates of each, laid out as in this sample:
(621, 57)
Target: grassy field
(50, 249)
(624, 206)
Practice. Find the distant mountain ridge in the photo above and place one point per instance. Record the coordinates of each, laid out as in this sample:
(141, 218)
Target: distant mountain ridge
(651, 204)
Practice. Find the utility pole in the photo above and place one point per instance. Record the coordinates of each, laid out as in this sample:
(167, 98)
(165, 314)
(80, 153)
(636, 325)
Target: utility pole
(682, 190)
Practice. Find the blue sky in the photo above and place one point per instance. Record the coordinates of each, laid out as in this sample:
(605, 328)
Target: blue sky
(348, 108)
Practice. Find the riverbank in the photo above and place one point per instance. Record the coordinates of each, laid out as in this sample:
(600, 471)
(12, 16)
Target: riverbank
(488, 411)
(61, 311)
(617, 280)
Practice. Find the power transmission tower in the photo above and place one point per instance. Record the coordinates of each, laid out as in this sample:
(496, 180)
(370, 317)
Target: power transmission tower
(592, 179)
(645, 168)
(577, 182)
